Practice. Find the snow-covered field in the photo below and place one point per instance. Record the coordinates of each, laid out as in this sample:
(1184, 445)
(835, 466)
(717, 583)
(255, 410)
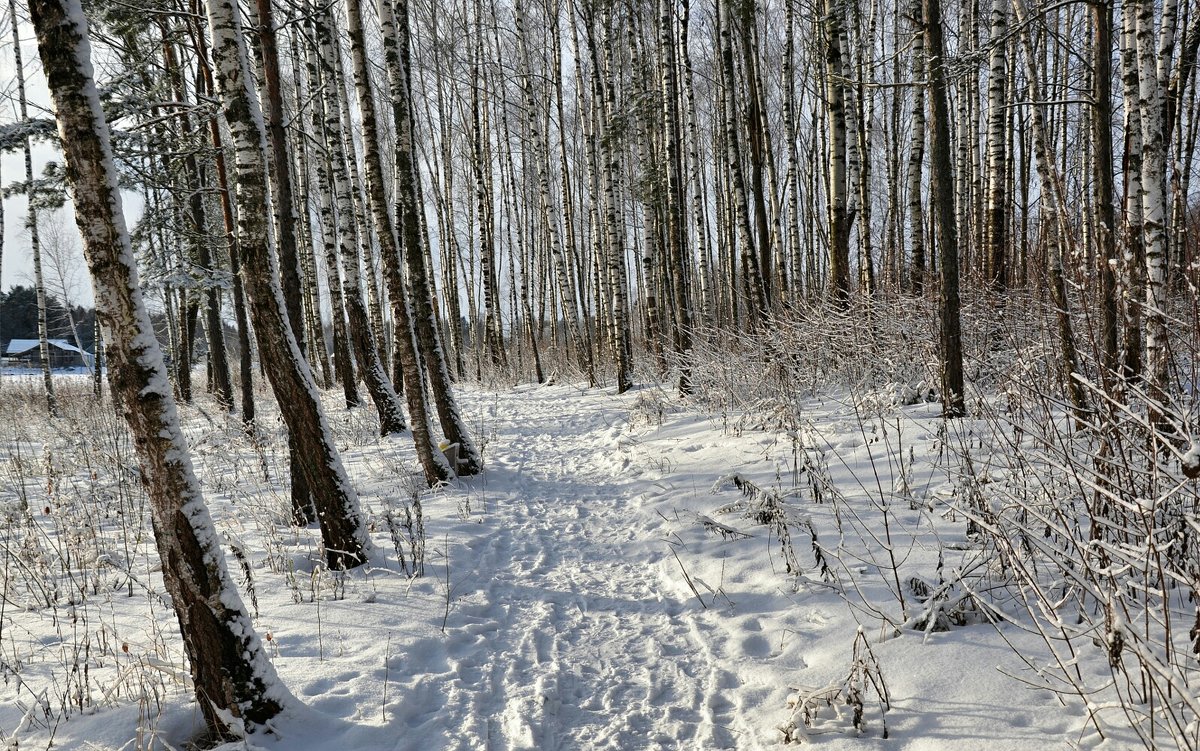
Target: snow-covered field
(615, 579)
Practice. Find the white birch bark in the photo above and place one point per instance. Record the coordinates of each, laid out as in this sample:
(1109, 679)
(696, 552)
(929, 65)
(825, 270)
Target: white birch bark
(229, 667)
(342, 528)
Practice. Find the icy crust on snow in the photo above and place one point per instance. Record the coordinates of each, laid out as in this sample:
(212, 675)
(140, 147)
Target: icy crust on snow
(574, 596)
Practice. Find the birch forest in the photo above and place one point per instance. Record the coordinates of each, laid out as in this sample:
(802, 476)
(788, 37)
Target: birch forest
(302, 214)
(599, 190)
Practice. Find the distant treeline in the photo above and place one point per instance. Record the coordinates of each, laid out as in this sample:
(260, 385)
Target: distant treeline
(19, 318)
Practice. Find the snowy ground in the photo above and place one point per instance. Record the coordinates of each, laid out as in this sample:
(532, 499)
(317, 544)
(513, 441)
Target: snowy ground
(600, 586)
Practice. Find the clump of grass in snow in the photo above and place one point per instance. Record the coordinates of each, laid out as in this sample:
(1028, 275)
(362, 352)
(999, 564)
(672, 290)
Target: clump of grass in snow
(853, 691)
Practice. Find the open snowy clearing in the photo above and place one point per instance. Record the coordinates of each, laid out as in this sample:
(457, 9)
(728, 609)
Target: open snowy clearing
(599, 586)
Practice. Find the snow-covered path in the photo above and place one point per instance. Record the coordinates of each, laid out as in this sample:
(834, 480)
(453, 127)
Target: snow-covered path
(568, 640)
(599, 586)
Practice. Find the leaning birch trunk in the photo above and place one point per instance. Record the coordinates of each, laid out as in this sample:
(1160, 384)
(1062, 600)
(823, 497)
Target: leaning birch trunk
(414, 241)
(230, 670)
(362, 333)
(282, 203)
(342, 529)
(31, 223)
(433, 462)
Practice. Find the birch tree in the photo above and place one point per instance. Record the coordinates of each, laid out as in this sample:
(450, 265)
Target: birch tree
(409, 200)
(342, 529)
(31, 220)
(433, 462)
(230, 671)
(942, 200)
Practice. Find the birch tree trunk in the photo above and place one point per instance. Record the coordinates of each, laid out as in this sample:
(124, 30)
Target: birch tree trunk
(206, 87)
(409, 208)
(752, 273)
(916, 157)
(342, 529)
(566, 291)
(613, 274)
(433, 462)
(1102, 117)
(1054, 225)
(841, 213)
(997, 163)
(942, 192)
(286, 244)
(1155, 48)
(1133, 262)
(321, 124)
(361, 332)
(230, 670)
(675, 190)
(31, 223)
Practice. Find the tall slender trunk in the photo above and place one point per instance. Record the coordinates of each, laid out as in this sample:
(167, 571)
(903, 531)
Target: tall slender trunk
(675, 236)
(752, 272)
(996, 238)
(433, 462)
(220, 382)
(566, 291)
(607, 164)
(1102, 161)
(1155, 46)
(342, 529)
(326, 125)
(282, 202)
(841, 213)
(409, 205)
(31, 223)
(1134, 260)
(362, 333)
(942, 192)
(230, 671)
(1054, 225)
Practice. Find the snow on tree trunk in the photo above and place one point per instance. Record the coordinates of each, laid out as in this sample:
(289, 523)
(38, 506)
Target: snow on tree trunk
(362, 336)
(433, 462)
(342, 528)
(229, 667)
(414, 241)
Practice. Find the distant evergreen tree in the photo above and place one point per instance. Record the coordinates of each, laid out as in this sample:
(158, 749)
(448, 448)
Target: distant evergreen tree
(18, 318)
